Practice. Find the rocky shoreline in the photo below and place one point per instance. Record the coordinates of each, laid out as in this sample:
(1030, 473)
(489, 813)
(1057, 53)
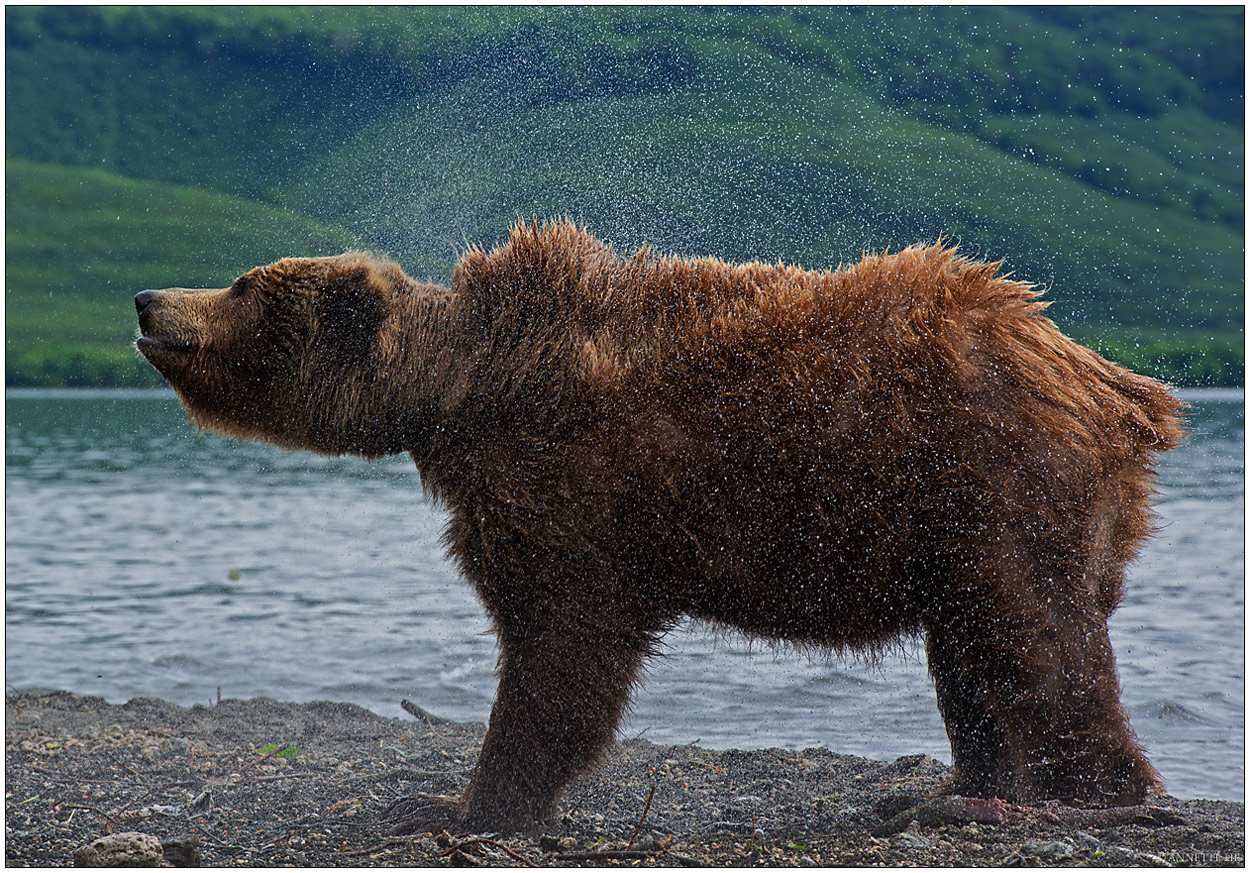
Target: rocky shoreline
(262, 783)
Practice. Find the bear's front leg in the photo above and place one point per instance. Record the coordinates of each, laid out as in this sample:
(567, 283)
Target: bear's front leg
(563, 685)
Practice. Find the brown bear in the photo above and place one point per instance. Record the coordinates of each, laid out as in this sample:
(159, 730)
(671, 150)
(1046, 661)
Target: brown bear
(905, 446)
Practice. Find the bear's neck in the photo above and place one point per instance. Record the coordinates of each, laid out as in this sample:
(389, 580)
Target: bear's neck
(388, 404)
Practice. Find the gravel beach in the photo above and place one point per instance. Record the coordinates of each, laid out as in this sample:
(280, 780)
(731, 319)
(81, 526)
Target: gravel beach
(262, 783)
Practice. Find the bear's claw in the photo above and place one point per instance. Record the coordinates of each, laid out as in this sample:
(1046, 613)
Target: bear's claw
(424, 813)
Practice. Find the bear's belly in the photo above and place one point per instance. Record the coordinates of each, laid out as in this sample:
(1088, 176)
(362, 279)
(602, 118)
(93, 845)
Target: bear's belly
(837, 595)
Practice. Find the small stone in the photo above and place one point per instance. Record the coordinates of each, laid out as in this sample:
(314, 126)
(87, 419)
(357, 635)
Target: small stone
(1087, 840)
(1054, 851)
(556, 844)
(805, 861)
(1016, 859)
(458, 858)
(906, 840)
(202, 802)
(181, 851)
(124, 849)
(1116, 856)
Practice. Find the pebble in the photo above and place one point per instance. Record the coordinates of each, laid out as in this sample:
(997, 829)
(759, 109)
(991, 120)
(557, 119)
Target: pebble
(556, 844)
(1053, 851)
(1088, 841)
(907, 840)
(123, 849)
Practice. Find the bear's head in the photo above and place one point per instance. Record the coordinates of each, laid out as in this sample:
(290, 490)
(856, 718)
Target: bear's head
(298, 353)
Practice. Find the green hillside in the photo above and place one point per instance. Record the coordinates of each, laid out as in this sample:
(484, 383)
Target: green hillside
(1099, 152)
(71, 320)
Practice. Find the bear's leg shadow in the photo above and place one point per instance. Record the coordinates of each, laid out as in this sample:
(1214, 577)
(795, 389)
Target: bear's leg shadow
(1026, 681)
(564, 683)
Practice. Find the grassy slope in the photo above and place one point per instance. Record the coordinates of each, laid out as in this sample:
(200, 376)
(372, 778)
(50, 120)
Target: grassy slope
(807, 135)
(807, 194)
(80, 243)
(776, 176)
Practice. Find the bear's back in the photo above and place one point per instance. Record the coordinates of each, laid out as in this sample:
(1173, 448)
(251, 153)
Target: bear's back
(754, 345)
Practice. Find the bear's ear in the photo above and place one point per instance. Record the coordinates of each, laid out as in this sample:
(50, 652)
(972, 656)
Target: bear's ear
(350, 311)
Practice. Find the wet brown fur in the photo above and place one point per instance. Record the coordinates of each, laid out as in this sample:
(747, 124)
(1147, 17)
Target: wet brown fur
(836, 459)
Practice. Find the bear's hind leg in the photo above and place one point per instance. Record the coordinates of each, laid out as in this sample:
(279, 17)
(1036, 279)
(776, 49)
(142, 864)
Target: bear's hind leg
(977, 744)
(1026, 680)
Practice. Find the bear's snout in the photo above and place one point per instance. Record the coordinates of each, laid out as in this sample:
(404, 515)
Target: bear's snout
(143, 299)
(160, 329)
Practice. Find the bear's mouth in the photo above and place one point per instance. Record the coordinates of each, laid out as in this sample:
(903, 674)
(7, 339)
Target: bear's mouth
(155, 345)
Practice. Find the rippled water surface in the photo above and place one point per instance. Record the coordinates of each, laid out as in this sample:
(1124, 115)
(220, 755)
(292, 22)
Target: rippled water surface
(144, 559)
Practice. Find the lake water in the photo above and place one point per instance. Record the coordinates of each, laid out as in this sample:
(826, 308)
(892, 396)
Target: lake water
(145, 559)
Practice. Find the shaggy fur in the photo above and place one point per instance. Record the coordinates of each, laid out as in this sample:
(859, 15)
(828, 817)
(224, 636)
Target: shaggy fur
(905, 446)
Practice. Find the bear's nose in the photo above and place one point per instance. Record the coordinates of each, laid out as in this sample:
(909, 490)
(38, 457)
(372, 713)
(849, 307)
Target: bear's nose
(143, 298)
